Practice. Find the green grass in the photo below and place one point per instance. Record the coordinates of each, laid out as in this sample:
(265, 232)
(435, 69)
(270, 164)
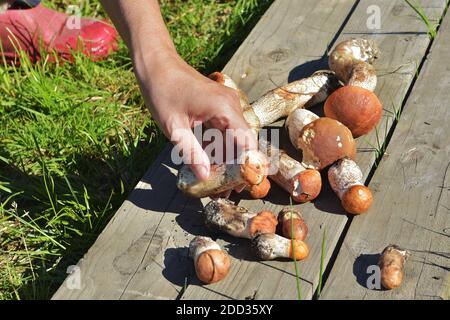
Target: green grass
(419, 10)
(322, 263)
(294, 258)
(75, 139)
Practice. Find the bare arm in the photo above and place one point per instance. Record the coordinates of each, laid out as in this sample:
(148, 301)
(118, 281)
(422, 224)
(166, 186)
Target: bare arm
(176, 94)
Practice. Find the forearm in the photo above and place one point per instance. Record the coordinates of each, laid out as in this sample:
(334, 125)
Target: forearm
(142, 27)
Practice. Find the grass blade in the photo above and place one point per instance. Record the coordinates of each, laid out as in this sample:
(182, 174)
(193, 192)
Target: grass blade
(322, 262)
(297, 272)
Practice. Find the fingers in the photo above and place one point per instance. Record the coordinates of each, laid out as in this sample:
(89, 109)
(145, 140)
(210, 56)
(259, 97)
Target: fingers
(228, 118)
(192, 152)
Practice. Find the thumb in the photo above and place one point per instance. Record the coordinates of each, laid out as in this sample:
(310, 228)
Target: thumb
(193, 153)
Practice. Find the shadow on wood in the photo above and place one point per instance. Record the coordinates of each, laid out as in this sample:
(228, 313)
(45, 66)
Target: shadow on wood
(308, 68)
(361, 267)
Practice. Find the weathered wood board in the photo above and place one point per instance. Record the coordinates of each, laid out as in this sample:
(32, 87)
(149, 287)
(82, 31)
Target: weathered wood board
(412, 186)
(403, 41)
(142, 252)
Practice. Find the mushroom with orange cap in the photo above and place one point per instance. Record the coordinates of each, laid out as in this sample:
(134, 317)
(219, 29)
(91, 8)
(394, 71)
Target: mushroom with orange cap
(357, 108)
(346, 180)
(323, 142)
(212, 264)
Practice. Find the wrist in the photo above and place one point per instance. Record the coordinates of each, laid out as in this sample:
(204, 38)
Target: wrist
(151, 63)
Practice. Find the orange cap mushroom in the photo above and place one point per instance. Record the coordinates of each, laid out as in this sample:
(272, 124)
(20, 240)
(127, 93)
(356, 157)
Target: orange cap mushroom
(212, 264)
(292, 224)
(324, 141)
(357, 108)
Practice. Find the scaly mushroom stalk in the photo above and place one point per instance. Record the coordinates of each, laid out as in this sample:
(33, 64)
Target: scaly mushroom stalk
(280, 102)
(346, 180)
(292, 224)
(296, 121)
(252, 171)
(392, 263)
(212, 264)
(271, 246)
(237, 221)
(352, 60)
(301, 183)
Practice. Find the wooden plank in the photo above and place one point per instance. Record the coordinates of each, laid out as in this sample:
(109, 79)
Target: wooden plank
(142, 253)
(412, 186)
(403, 41)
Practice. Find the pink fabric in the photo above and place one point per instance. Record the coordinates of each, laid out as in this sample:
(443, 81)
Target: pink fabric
(41, 28)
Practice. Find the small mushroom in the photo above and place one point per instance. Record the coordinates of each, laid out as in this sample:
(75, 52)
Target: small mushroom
(271, 246)
(352, 60)
(301, 183)
(392, 264)
(237, 221)
(346, 180)
(357, 108)
(323, 142)
(292, 224)
(212, 264)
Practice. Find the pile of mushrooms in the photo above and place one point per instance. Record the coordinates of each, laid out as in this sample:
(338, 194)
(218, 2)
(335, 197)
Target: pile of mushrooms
(325, 143)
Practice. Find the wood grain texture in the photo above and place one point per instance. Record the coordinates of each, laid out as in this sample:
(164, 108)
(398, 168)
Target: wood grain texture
(403, 41)
(412, 186)
(142, 253)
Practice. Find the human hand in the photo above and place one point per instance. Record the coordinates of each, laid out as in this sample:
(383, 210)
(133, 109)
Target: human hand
(178, 97)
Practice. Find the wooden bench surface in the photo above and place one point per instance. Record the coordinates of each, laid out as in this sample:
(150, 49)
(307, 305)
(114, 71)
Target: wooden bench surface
(142, 253)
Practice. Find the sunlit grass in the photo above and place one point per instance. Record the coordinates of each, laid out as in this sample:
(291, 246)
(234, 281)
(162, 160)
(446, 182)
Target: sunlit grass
(76, 138)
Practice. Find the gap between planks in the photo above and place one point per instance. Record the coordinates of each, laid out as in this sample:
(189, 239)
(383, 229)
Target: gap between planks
(415, 209)
(402, 38)
(134, 259)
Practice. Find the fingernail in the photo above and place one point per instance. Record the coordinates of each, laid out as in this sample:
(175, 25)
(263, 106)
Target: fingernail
(203, 172)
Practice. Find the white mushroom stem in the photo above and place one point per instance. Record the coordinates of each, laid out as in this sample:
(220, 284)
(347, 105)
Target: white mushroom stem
(296, 121)
(280, 102)
(301, 183)
(252, 170)
(343, 175)
(237, 221)
(272, 246)
(352, 60)
(201, 244)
